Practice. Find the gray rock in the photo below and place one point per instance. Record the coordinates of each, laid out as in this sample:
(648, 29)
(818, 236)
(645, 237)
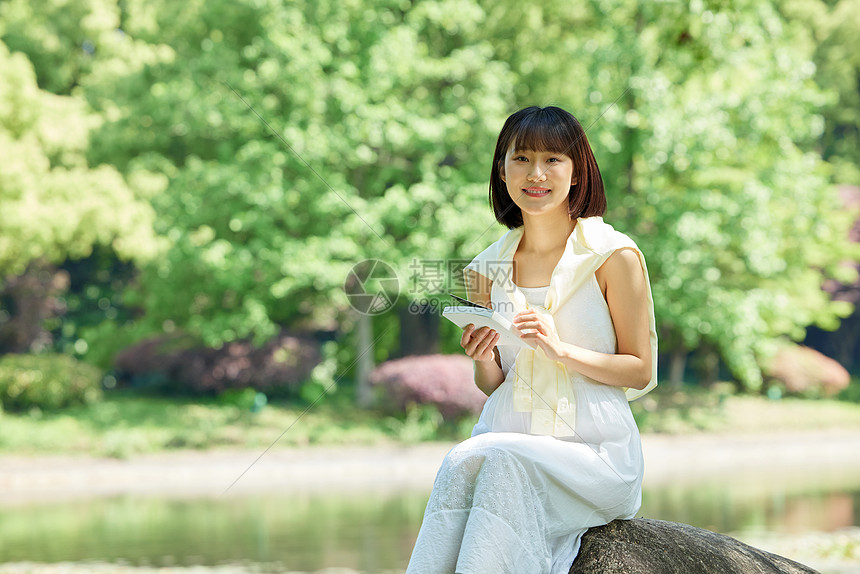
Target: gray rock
(644, 546)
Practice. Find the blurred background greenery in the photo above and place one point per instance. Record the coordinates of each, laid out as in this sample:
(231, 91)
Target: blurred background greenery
(184, 188)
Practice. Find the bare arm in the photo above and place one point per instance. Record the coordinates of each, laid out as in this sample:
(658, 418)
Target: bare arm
(622, 280)
(480, 345)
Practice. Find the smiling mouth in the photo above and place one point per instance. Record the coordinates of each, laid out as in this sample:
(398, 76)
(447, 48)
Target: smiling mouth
(536, 191)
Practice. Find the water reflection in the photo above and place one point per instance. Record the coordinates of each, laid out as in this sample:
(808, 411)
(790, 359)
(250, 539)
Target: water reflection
(365, 531)
(792, 504)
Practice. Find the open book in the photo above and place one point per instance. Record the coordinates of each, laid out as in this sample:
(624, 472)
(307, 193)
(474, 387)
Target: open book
(469, 312)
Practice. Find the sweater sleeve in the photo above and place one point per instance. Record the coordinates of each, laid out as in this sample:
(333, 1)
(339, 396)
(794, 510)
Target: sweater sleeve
(487, 262)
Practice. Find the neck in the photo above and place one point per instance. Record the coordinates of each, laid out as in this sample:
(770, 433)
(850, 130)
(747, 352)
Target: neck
(545, 234)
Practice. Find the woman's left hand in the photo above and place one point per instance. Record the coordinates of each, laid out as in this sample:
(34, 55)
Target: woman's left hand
(539, 333)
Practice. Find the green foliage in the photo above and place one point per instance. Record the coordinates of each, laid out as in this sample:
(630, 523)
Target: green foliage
(125, 423)
(375, 150)
(55, 205)
(93, 301)
(262, 148)
(720, 409)
(835, 25)
(852, 392)
(741, 222)
(245, 399)
(47, 382)
(420, 423)
(666, 410)
(708, 146)
(65, 40)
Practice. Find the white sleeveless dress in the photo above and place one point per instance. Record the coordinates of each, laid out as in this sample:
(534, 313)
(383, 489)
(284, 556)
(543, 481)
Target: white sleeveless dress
(508, 502)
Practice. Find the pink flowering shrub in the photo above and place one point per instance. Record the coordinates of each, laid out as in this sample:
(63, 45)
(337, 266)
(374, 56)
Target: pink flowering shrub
(806, 372)
(445, 381)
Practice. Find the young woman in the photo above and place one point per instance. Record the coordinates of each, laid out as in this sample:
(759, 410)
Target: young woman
(555, 450)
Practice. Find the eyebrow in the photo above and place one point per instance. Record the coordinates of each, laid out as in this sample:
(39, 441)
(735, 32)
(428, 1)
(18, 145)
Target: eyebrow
(538, 151)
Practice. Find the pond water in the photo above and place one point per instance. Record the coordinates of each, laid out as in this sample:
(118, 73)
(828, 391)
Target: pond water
(370, 531)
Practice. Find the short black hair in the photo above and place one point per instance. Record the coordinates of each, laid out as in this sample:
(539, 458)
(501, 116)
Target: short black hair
(554, 130)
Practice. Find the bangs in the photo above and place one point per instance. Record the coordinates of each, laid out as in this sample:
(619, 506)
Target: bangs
(543, 131)
(551, 130)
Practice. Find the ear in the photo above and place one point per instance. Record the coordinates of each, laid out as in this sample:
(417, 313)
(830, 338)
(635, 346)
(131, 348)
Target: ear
(502, 171)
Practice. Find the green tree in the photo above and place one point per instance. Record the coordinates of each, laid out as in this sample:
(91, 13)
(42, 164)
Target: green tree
(61, 206)
(834, 25)
(291, 141)
(55, 204)
(280, 143)
(706, 118)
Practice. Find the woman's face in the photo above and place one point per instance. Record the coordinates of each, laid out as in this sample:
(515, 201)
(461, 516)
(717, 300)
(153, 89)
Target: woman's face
(538, 181)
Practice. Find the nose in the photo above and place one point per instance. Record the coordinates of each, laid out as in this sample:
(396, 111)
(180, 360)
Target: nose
(537, 173)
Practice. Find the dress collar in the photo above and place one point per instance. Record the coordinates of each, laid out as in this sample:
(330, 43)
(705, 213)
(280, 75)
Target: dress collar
(577, 262)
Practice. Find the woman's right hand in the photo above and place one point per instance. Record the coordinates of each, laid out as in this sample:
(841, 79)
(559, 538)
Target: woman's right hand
(479, 344)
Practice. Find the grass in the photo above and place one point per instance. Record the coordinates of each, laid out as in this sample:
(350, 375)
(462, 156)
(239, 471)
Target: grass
(693, 409)
(125, 423)
(826, 551)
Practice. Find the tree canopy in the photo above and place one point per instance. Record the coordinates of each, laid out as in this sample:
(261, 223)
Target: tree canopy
(262, 148)
(55, 204)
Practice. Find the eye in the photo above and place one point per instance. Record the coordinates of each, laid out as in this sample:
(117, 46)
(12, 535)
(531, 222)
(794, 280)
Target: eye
(520, 158)
(554, 160)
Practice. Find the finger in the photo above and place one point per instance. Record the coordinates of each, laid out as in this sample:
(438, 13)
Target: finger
(492, 346)
(525, 331)
(467, 335)
(472, 342)
(492, 338)
(486, 347)
(483, 334)
(479, 343)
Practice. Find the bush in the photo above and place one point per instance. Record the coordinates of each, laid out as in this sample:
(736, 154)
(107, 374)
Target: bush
(48, 382)
(444, 381)
(851, 393)
(805, 372)
(179, 364)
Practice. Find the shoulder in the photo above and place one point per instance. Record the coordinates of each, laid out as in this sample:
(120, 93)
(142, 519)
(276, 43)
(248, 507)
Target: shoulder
(496, 257)
(624, 258)
(478, 272)
(623, 266)
(484, 260)
(478, 288)
(600, 237)
(474, 277)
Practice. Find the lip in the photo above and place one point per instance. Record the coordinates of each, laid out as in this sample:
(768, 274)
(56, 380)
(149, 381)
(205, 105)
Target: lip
(535, 191)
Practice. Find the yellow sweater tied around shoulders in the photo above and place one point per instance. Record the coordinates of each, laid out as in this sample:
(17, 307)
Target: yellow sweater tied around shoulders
(549, 396)
(541, 385)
